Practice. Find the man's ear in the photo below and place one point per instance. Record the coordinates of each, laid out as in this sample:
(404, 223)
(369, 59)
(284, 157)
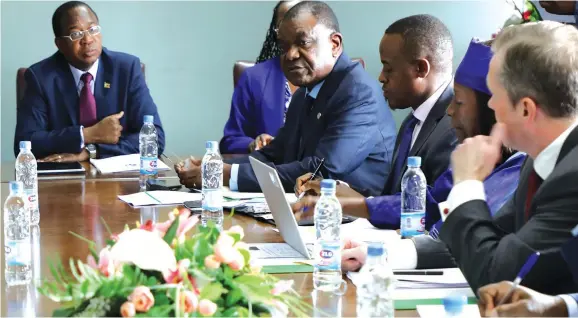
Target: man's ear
(337, 43)
(422, 68)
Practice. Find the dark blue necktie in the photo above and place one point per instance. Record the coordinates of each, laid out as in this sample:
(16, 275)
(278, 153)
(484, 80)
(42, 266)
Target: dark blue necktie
(403, 150)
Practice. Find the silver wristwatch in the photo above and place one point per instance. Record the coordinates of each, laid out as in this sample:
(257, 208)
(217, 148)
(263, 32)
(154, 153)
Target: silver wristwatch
(91, 151)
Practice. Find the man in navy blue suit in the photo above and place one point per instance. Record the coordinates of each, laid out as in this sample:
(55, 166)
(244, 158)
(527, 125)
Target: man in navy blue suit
(339, 114)
(84, 101)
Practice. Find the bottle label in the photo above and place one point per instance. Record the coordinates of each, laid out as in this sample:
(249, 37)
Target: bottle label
(148, 165)
(18, 253)
(328, 256)
(212, 199)
(412, 223)
(31, 198)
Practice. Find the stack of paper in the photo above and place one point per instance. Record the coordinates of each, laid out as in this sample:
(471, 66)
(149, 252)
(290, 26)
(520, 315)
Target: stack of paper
(158, 198)
(451, 278)
(126, 163)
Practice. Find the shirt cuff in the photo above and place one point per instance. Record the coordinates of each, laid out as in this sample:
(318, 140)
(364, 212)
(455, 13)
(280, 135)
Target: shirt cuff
(344, 183)
(571, 305)
(461, 193)
(81, 138)
(233, 186)
(401, 254)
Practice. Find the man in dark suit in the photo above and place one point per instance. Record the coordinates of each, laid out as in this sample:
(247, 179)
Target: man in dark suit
(84, 101)
(338, 113)
(417, 54)
(535, 99)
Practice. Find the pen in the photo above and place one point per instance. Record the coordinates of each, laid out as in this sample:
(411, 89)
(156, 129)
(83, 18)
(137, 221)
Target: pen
(428, 272)
(525, 269)
(313, 176)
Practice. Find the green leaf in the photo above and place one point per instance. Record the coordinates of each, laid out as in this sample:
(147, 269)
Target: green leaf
(55, 274)
(235, 236)
(237, 311)
(233, 297)
(212, 292)
(202, 249)
(64, 312)
(106, 226)
(161, 298)
(246, 255)
(74, 271)
(172, 231)
(84, 287)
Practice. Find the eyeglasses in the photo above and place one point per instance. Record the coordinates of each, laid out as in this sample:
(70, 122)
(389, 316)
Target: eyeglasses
(77, 35)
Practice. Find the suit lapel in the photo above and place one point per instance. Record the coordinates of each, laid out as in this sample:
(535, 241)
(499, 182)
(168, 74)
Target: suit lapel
(68, 89)
(522, 191)
(435, 115)
(330, 84)
(102, 85)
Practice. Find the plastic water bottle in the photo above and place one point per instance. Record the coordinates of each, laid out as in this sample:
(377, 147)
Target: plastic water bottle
(327, 214)
(149, 151)
(376, 285)
(413, 196)
(212, 172)
(17, 248)
(454, 305)
(27, 173)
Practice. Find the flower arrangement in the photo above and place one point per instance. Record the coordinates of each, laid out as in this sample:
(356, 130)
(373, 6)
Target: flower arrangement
(155, 270)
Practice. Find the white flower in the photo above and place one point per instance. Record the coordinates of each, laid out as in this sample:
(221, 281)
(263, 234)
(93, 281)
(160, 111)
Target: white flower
(147, 250)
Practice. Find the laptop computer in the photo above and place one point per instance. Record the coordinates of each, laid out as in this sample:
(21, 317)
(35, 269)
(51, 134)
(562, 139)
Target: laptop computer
(280, 208)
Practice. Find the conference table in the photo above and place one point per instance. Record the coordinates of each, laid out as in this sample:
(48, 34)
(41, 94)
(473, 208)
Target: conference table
(80, 205)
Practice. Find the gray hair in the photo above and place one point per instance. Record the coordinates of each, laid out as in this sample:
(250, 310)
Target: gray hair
(540, 61)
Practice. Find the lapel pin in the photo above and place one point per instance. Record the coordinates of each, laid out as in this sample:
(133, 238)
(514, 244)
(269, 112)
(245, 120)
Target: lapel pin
(318, 115)
(106, 85)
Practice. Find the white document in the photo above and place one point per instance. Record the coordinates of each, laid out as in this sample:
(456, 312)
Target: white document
(158, 198)
(234, 195)
(273, 251)
(435, 311)
(452, 278)
(126, 163)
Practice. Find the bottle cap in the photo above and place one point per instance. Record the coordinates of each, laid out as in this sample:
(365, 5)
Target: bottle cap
(25, 145)
(212, 145)
(375, 249)
(328, 184)
(414, 162)
(148, 119)
(16, 186)
(455, 303)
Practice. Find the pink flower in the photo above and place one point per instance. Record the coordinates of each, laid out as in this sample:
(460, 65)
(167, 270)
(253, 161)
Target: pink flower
(148, 226)
(281, 287)
(91, 262)
(211, 262)
(190, 301)
(237, 229)
(225, 240)
(142, 298)
(178, 275)
(224, 253)
(105, 265)
(207, 307)
(186, 223)
(127, 309)
(238, 261)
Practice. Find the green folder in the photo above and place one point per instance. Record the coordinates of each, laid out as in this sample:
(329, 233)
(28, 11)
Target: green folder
(284, 269)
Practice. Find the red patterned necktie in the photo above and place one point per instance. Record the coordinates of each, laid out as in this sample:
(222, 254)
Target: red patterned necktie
(534, 182)
(87, 102)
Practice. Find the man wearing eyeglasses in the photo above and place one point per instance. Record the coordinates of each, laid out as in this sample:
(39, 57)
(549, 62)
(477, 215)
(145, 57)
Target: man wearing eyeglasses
(84, 101)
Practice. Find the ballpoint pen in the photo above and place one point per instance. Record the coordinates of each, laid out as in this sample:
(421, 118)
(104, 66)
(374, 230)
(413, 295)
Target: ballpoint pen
(313, 176)
(525, 269)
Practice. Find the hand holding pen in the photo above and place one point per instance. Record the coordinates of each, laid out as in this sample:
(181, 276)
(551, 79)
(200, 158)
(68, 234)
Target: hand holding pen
(305, 184)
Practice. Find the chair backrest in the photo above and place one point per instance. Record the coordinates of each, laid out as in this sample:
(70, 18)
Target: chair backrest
(21, 83)
(241, 66)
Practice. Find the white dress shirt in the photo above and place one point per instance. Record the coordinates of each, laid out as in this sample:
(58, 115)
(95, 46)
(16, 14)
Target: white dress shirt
(423, 110)
(473, 190)
(77, 74)
(233, 185)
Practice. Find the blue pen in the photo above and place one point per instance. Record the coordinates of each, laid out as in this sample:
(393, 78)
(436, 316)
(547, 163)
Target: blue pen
(523, 272)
